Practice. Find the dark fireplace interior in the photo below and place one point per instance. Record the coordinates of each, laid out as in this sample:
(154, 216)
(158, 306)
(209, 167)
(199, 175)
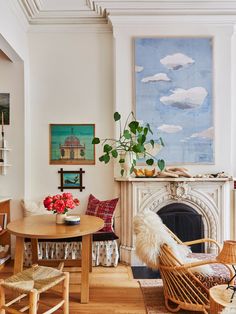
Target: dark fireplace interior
(185, 222)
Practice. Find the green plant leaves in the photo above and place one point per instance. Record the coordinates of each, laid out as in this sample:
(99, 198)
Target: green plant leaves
(127, 134)
(114, 153)
(122, 172)
(152, 143)
(107, 148)
(161, 164)
(133, 125)
(117, 116)
(95, 140)
(149, 162)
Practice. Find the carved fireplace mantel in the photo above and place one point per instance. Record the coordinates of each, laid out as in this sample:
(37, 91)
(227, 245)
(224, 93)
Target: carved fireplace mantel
(210, 197)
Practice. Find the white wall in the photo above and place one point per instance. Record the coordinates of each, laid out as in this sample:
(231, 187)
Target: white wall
(126, 28)
(71, 81)
(12, 184)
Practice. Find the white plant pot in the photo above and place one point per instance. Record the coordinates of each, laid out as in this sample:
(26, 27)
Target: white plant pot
(60, 218)
(128, 157)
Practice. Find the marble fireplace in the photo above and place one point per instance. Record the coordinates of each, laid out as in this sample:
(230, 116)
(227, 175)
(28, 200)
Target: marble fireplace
(208, 197)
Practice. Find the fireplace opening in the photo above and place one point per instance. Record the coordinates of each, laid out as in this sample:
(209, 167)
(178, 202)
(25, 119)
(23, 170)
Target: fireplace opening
(185, 222)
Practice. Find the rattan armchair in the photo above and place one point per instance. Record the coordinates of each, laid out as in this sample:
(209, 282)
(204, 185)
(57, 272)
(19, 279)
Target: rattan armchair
(186, 283)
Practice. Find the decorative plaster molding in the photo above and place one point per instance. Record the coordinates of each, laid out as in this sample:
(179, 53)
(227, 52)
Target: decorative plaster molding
(208, 198)
(179, 190)
(98, 11)
(37, 15)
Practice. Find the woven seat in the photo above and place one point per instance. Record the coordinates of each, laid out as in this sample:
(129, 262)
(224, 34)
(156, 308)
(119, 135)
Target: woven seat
(32, 282)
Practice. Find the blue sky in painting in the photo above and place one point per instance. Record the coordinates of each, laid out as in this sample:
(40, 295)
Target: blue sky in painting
(174, 94)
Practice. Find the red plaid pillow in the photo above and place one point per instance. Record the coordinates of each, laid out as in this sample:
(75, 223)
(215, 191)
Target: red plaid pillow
(102, 209)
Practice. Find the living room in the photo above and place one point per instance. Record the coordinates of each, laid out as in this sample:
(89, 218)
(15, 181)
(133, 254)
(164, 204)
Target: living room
(72, 63)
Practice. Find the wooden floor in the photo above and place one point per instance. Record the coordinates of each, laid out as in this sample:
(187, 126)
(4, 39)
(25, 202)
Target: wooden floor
(112, 291)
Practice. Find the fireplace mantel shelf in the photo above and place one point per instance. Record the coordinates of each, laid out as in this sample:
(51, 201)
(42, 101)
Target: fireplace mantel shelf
(133, 179)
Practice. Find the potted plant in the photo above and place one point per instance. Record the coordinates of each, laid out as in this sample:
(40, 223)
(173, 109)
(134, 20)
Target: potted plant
(133, 143)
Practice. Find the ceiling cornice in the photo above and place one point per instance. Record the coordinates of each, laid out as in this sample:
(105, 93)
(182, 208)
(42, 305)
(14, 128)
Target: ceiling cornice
(163, 7)
(37, 15)
(96, 12)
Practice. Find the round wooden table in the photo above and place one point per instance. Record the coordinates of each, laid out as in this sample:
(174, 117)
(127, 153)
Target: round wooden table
(45, 227)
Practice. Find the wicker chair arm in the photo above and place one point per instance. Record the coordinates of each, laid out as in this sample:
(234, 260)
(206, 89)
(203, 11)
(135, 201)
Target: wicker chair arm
(200, 263)
(202, 241)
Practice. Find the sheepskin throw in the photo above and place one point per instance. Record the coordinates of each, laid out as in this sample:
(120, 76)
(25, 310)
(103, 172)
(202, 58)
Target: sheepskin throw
(151, 234)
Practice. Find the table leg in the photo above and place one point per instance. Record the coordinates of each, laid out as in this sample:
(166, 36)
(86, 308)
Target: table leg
(86, 252)
(34, 249)
(91, 255)
(19, 255)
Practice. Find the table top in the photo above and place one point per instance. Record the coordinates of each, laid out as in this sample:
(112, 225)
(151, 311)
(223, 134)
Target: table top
(222, 296)
(45, 227)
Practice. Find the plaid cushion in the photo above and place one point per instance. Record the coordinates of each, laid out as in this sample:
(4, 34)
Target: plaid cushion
(102, 209)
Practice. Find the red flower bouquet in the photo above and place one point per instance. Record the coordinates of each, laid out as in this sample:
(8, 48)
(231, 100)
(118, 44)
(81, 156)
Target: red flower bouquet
(60, 203)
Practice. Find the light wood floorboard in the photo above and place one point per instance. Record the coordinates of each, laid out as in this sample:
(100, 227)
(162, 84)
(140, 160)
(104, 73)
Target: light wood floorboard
(112, 291)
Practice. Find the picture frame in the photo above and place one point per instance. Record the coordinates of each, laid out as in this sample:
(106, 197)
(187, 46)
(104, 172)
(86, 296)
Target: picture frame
(71, 144)
(5, 108)
(71, 179)
(173, 92)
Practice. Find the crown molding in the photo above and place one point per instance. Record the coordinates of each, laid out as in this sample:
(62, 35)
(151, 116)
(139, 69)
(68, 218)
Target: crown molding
(163, 7)
(97, 11)
(37, 15)
(70, 28)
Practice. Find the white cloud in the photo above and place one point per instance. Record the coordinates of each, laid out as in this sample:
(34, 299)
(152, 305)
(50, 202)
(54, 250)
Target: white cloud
(185, 98)
(176, 61)
(156, 77)
(183, 140)
(170, 128)
(205, 134)
(138, 68)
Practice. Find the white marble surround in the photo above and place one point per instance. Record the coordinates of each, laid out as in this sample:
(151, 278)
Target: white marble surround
(209, 197)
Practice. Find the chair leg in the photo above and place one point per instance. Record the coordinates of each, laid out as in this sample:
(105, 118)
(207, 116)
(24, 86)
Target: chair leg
(2, 297)
(33, 301)
(65, 294)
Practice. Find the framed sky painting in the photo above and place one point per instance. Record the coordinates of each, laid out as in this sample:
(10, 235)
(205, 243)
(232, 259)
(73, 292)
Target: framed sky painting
(71, 144)
(174, 93)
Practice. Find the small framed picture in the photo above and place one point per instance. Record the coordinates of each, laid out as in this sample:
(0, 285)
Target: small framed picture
(71, 179)
(71, 144)
(4, 108)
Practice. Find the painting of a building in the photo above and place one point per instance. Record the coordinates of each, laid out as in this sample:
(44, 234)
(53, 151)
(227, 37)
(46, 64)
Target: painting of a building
(72, 144)
(72, 149)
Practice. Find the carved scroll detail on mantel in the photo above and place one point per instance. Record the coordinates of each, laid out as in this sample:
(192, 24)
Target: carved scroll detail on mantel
(179, 190)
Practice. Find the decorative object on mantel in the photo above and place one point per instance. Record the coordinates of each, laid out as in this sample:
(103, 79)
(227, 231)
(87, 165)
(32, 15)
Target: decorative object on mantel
(145, 173)
(71, 179)
(174, 172)
(213, 175)
(3, 149)
(133, 143)
(60, 204)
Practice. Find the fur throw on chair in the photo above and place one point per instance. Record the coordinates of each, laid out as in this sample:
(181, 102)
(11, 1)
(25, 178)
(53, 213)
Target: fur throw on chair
(151, 234)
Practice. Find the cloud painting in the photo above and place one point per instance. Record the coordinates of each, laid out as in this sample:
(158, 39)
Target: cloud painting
(173, 92)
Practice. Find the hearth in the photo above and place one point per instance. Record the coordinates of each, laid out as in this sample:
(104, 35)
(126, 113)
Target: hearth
(207, 199)
(185, 222)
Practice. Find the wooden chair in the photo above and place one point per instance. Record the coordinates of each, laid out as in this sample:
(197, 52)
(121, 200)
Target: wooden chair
(32, 282)
(184, 287)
